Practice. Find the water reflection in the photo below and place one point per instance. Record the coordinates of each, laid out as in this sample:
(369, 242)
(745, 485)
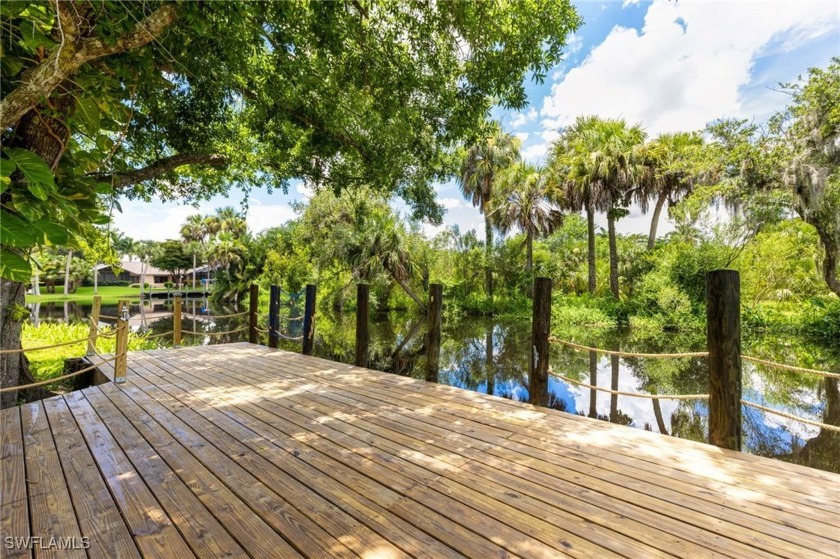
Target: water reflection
(492, 357)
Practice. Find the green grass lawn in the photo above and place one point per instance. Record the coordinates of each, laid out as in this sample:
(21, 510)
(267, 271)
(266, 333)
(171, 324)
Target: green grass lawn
(110, 295)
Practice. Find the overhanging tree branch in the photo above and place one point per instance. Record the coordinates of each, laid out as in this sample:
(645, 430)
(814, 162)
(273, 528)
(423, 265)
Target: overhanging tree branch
(161, 166)
(74, 52)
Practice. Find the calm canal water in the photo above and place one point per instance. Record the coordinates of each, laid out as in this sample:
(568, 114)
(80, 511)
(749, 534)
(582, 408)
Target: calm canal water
(491, 356)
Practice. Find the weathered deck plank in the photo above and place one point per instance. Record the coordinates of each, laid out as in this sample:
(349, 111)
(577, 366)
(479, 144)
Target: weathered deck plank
(14, 505)
(237, 450)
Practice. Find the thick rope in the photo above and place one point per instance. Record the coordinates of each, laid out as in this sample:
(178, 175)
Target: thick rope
(107, 316)
(633, 394)
(626, 353)
(261, 330)
(243, 313)
(56, 379)
(789, 367)
(292, 318)
(214, 333)
(40, 348)
(791, 416)
(158, 335)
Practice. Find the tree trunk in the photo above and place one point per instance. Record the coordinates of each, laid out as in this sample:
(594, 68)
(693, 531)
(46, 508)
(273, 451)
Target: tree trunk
(614, 370)
(654, 222)
(590, 256)
(593, 381)
(613, 256)
(95, 279)
(36, 283)
(488, 254)
(12, 296)
(489, 370)
(193, 270)
(657, 413)
(410, 293)
(529, 251)
(831, 246)
(67, 272)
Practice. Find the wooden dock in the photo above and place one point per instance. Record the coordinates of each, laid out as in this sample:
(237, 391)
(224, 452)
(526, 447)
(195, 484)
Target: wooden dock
(241, 451)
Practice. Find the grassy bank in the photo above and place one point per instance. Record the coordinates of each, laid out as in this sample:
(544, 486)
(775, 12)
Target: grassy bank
(49, 363)
(110, 295)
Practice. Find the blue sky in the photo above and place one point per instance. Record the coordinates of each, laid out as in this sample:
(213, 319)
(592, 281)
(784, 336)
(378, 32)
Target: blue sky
(667, 65)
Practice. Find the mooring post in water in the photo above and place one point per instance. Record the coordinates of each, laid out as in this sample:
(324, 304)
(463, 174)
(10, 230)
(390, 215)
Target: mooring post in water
(433, 346)
(723, 336)
(309, 321)
(121, 351)
(253, 313)
(274, 316)
(93, 334)
(540, 327)
(176, 322)
(362, 332)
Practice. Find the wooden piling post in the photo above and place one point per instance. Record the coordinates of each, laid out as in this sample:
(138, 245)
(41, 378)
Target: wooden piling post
(274, 316)
(93, 334)
(309, 321)
(433, 345)
(176, 322)
(362, 332)
(723, 336)
(253, 313)
(540, 328)
(121, 351)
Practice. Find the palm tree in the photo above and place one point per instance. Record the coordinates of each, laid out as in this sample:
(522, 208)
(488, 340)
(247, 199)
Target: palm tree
(569, 160)
(143, 250)
(603, 162)
(382, 246)
(483, 161)
(674, 170)
(527, 201)
(193, 231)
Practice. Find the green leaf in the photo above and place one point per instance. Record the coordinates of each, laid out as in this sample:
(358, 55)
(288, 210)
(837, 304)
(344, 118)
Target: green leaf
(88, 113)
(28, 208)
(7, 167)
(47, 232)
(39, 177)
(13, 267)
(14, 231)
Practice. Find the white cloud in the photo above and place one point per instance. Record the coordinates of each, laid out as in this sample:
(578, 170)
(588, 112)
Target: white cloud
(523, 136)
(573, 44)
(535, 153)
(306, 191)
(630, 3)
(688, 63)
(264, 216)
(521, 119)
(451, 203)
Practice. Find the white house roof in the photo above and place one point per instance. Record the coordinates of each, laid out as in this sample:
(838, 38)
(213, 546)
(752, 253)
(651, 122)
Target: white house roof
(135, 267)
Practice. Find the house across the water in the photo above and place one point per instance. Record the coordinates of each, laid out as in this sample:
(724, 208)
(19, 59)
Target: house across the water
(133, 272)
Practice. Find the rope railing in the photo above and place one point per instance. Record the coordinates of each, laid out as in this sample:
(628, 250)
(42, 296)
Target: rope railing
(240, 329)
(57, 379)
(747, 403)
(161, 335)
(243, 313)
(627, 353)
(748, 358)
(791, 368)
(787, 415)
(631, 394)
(43, 347)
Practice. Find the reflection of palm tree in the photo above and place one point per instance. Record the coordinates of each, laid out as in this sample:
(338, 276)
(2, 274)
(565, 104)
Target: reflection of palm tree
(490, 371)
(483, 160)
(657, 413)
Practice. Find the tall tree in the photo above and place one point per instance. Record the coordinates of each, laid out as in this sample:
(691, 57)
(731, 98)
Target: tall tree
(527, 198)
(482, 162)
(99, 100)
(675, 167)
(171, 256)
(603, 160)
(193, 232)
